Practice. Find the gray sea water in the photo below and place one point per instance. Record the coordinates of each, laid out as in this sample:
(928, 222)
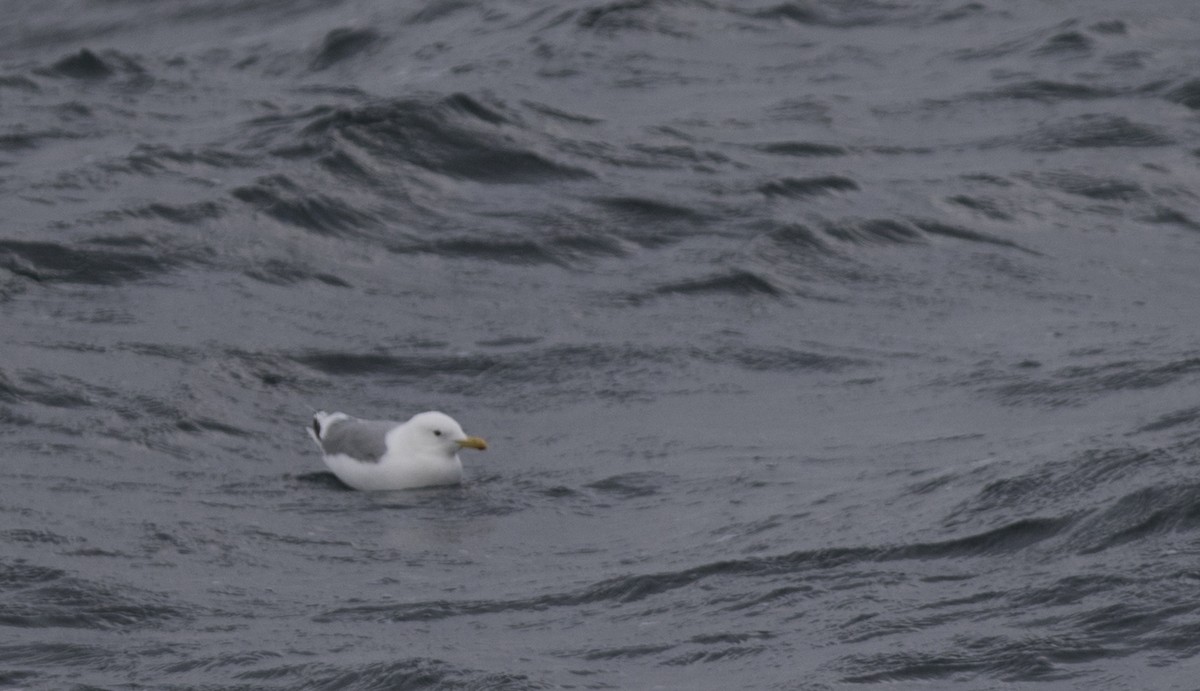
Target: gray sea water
(820, 344)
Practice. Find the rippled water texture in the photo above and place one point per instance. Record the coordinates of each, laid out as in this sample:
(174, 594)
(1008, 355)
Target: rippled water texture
(820, 344)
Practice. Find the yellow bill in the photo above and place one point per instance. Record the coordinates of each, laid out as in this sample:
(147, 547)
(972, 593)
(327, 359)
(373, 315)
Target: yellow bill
(473, 443)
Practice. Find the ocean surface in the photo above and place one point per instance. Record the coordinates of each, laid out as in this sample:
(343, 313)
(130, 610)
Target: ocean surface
(820, 344)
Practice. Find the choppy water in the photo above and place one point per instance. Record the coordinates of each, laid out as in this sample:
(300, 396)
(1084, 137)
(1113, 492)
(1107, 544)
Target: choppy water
(820, 344)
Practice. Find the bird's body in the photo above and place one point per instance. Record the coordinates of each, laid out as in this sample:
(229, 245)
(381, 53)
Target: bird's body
(379, 455)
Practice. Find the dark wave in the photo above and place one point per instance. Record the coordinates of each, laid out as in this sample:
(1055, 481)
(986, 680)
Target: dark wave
(798, 188)
(1062, 40)
(1049, 91)
(560, 114)
(1094, 131)
(26, 536)
(141, 416)
(1186, 94)
(18, 678)
(1142, 514)
(839, 15)
(960, 233)
(792, 239)
(184, 354)
(1073, 385)
(572, 370)
(737, 282)
(645, 210)
(83, 65)
(783, 359)
(9, 392)
(49, 262)
(648, 222)
(625, 652)
(1012, 537)
(560, 247)
(1071, 43)
(562, 363)
(60, 655)
(457, 136)
(630, 485)
(1008, 660)
(436, 10)
(807, 110)
(342, 44)
(1168, 215)
(202, 425)
(242, 658)
(514, 251)
(1110, 27)
(33, 598)
(21, 575)
(334, 363)
(681, 156)
(18, 83)
(1082, 475)
(1006, 539)
(153, 159)
(28, 140)
(281, 272)
(55, 392)
(617, 16)
(186, 214)
(1095, 629)
(801, 149)
(410, 673)
(872, 232)
(704, 648)
(282, 199)
(1081, 603)
(985, 207)
(710, 654)
(268, 370)
(1189, 417)
(109, 67)
(1092, 187)
(587, 246)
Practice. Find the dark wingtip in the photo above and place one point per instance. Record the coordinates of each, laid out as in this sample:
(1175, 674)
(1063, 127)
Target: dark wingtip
(317, 427)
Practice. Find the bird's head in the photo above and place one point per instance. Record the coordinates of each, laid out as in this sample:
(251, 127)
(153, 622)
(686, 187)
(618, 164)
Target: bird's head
(439, 430)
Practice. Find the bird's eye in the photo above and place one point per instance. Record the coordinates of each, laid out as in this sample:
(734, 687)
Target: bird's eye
(437, 432)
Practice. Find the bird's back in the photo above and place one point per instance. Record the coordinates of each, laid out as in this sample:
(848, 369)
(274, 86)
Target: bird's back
(362, 440)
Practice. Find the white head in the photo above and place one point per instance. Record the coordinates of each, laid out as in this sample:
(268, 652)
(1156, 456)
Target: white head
(434, 430)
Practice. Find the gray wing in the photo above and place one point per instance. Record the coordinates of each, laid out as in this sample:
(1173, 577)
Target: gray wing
(362, 440)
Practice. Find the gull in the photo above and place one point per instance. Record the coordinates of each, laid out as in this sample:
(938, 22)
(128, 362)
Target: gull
(383, 455)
